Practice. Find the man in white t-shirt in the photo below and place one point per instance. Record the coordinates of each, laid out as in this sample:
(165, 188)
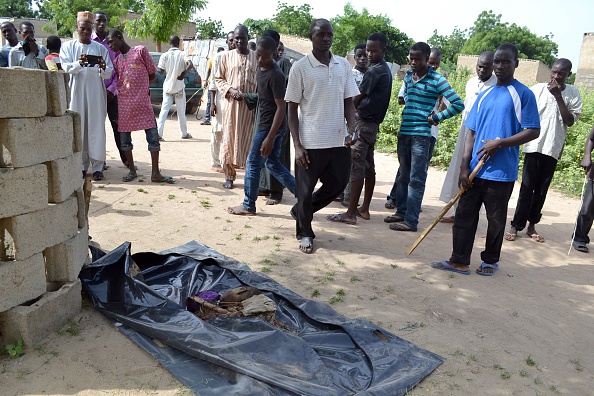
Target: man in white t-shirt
(174, 89)
(559, 106)
(322, 87)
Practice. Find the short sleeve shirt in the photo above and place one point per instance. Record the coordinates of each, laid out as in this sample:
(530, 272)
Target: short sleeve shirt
(271, 86)
(174, 63)
(377, 87)
(320, 91)
(501, 111)
(552, 129)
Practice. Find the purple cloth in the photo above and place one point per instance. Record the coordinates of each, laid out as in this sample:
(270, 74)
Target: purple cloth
(111, 84)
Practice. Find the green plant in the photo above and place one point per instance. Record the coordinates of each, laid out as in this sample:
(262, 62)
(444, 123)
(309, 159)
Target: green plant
(524, 373)
(505, 375)
(394, 265)
(537, 381)
(340, 292)
(530, 361)
(142, 190)
(14, 350)
(577, 364)
(341, 238)
(315, 293)
(171, 196)
(257, 239)
(354, 278)
(340, 263)
(205, 203)
(265, 270)
(247, 226)
(330, 275)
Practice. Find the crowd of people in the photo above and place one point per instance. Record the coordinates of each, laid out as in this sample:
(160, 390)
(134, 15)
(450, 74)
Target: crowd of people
(257, 98)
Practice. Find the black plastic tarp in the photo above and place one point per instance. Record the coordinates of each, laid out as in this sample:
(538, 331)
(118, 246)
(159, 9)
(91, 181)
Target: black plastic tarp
(324, 353)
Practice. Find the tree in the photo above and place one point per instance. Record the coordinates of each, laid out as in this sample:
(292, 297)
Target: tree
(449, 46)
(207, 28)
(293, 20)
(489, 32)
(257, 26)
(353, 28)
(16, 9)
(162, 18)
(63, 12)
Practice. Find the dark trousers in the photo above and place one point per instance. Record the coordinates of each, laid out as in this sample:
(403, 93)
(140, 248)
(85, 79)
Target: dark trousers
(112, 114)
(537, 174)
(276, 187)
(586, 215)
(331, 167)
(495, 195)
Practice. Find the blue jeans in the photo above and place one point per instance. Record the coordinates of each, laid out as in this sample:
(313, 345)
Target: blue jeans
(412, 156)
(255, 163)
(207, 112)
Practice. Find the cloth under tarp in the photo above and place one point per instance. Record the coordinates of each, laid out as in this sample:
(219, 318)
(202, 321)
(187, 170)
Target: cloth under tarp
(325, 353)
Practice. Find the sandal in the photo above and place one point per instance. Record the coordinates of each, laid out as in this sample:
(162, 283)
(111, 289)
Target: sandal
(129, 177)
(339, 218)
(509, 236)
(228, 184)
(240, 210)
(394, 219)
(481, 269)
(306, 245)
(97, 176)
(165, 179)
(402, 227)
(536, 237)
(581, 247)
(390, 204)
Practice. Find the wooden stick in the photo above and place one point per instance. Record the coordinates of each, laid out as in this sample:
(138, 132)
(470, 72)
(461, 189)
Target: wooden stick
(443, 212)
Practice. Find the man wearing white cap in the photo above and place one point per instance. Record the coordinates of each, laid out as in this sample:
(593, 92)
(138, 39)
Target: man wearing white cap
(88, 64)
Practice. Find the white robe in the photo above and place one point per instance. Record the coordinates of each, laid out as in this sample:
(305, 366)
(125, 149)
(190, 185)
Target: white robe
(450, 185)
(88, 96)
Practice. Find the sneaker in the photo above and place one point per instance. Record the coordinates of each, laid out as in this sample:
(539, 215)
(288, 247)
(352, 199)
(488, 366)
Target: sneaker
(188, 136)
(205, 122)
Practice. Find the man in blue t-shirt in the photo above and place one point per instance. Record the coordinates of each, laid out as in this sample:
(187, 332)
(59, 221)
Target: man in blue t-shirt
(503, 117)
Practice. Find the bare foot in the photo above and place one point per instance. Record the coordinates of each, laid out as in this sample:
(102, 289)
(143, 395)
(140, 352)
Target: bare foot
(511, 234)
(364, 214)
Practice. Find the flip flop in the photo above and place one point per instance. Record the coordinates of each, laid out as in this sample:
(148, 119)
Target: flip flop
(394, 219)
(390, 204)
(359, 215)
(581, 248)
(165, 179)
(448, 267)
(510, 237)
(480, 271)
(536, 237)
(228, 184)
(337, 218)
(97, 176)
(129, 177)
(447, 219)
(306, 245)
(241, 211)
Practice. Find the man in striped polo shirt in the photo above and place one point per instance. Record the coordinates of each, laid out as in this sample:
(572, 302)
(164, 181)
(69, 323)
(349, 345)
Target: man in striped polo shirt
(423, 86)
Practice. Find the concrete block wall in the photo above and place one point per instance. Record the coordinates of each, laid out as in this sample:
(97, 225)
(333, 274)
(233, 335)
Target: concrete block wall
(43, 227)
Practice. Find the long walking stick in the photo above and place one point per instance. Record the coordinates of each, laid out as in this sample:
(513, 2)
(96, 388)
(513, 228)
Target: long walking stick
(427, 230)
(579, 211)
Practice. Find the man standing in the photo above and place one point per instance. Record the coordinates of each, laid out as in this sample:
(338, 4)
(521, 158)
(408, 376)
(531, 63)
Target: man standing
(10, 35)
(236, 75)
(423, 86)
(207, 115)
(88, 64)
(372, 104)
(484, 79)
(135, 69)
(586, 215)
(503, 117)
(100, 36)
(174, 89)
(322, 87)
(216, 136)
(559, 106)
(28, 53)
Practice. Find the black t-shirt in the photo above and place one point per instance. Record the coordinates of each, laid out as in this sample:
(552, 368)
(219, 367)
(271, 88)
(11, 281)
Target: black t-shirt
(271, 85)
(377, 85)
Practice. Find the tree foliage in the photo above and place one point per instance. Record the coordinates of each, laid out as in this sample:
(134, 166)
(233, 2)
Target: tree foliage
(208, 28)
(450, 47)
(162, 18)
(354, 27)
(63, 12)
(293, 20)
(16, 9)
(257, 26)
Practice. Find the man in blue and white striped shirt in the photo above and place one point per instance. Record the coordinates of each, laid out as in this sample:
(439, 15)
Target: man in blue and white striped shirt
(423, 86)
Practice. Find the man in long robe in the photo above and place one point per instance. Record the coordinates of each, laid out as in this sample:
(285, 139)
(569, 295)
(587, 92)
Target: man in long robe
(236, 75)
(88, 96)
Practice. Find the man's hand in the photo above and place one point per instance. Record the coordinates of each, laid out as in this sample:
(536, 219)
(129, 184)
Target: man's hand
(102, 64)
(464, 181)
(82, 59)
(353, 140)
(489, 149)
(554, 88)
(586, 164)
(110, 96)
(182, 75)
(235, 94)
(213, 109)
(430, 120)
(266, 147)
(301, 157)
(33, 47)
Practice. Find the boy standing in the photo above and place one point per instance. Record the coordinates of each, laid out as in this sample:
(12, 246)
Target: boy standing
(372, 104)
(423, 86)
(503, 117)
(586, 215)
(135, 69)
(52, 61)
(266, 144)
(559, 106)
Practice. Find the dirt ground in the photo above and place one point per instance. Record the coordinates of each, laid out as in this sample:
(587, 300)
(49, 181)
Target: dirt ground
(525, 331)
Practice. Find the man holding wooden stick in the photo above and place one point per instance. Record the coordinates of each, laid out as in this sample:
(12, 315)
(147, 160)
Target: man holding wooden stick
(502, 118)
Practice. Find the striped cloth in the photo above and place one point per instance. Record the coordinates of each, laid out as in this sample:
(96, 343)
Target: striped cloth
(420, 98)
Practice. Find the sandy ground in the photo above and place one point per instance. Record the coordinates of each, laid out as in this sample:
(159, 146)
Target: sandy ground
(525, 331)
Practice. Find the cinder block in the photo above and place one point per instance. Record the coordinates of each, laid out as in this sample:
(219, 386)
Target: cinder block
(22, 190)
(64, 177)
(21, 281)
(23, 93)
(81, 214)
(30, 141)
(25, 235)
(67, 83)
(64, 261)
(77, 142)
(35, 322)
(57, 102)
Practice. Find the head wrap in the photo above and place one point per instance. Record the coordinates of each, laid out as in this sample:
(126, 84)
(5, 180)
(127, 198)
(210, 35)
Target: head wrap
(85, 16)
